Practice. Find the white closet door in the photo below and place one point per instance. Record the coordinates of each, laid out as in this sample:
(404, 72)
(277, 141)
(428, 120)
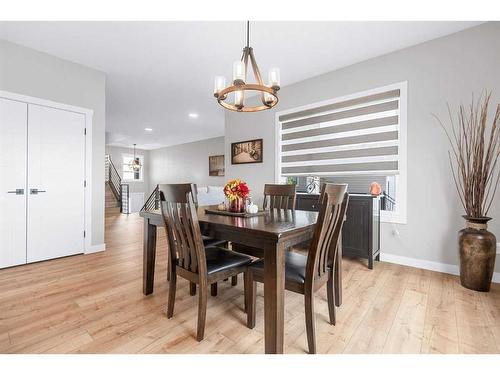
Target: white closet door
(56, 170)
(13, 127)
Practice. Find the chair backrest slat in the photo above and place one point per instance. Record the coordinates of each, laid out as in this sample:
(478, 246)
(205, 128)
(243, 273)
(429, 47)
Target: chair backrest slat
(183, 229)
(188, 233)
(279, 196)
(179, 235)
(336, 235)
(333, 205)
(329, 223)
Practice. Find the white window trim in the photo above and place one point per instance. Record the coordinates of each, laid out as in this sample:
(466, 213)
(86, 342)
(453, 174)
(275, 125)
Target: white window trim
(141, 159)
(398, 216)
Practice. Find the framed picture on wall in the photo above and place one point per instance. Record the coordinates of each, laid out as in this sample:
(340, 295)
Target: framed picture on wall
(216, 165)
(247, 152)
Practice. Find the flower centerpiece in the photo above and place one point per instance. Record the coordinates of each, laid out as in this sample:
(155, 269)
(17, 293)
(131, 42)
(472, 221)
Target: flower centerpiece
(236, 192)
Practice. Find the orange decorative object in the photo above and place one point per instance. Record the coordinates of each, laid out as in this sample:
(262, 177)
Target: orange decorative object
(375, 188)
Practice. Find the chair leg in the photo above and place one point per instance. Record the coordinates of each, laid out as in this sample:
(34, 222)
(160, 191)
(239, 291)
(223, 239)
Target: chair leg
(171, 294)
(202, 312)
(250, 296)
(168, 265)
(192, 288)
(234, 280)
(245, 291)
(310, 321)
(213, 289)
(330, 292)
(338, 274)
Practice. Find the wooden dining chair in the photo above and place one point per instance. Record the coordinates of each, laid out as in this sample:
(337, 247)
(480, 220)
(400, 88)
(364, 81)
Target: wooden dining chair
(306, 274)
(207, 241)
(279, 196)
(276, 196)
(188, 256)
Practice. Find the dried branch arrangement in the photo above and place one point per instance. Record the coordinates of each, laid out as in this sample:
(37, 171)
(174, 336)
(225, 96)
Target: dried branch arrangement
(474, 155)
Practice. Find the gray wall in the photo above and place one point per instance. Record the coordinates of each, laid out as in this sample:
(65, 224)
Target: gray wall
(29, 72)
(116, 156)
(187, 162)
(448, 69)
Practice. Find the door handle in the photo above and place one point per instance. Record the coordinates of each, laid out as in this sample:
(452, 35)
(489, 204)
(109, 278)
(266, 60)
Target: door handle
(36, 191)
(17, 192)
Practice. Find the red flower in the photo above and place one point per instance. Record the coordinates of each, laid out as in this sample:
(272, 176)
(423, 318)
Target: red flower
(243, 189)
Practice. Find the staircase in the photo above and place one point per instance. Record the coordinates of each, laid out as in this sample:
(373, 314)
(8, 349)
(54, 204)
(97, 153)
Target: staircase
(116, 193)
(112, 205)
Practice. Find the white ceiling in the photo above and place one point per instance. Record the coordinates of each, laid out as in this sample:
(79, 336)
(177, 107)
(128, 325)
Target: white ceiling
(159, 72)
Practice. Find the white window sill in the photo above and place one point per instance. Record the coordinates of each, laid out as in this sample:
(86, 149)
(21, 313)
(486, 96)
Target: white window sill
(128, 181)
(392, 217)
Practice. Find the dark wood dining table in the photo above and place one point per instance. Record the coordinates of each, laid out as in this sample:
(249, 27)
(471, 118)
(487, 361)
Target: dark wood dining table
(274, 232)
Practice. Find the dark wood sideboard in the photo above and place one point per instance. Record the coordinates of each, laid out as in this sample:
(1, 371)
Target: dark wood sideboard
(361, 231)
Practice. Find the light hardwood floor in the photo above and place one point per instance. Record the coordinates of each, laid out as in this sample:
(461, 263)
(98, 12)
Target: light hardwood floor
(94, 304)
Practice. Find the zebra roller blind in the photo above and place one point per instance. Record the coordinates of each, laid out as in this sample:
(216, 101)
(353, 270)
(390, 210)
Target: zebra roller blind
(355, 136)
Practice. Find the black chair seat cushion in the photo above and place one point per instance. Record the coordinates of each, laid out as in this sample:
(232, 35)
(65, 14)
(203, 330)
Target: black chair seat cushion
(209, 241)
(295, 266)
(220, 259)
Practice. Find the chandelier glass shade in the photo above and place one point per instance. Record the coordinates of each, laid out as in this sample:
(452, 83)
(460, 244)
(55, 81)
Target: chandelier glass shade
(136, 165)
(233, 97)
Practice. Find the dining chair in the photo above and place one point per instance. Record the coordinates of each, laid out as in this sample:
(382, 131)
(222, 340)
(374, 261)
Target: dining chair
(207, 241)
(188, 256)
(279, 196)
(276, 196)
(306, 274)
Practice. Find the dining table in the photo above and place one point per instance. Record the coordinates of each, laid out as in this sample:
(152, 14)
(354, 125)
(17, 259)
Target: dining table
(273, 231)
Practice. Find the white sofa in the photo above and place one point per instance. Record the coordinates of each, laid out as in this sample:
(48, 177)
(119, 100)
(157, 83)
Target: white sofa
(210, 195)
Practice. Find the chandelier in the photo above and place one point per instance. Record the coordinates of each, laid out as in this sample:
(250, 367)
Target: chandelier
(136, 164)
(233, 97)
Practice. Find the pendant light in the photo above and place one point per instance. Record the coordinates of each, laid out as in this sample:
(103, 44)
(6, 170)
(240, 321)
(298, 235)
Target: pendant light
(240, 86)
(136, 164)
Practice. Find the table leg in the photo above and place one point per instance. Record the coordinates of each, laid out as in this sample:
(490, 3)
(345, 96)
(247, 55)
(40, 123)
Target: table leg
(149, 255)
(338, 274)
(274, 298)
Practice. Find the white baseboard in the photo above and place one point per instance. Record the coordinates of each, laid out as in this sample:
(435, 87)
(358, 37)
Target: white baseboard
(96, 248)
(427, 265)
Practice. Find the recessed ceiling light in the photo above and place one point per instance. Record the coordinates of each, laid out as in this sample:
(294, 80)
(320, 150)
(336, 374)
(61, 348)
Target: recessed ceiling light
(148, 129)
(193, 115)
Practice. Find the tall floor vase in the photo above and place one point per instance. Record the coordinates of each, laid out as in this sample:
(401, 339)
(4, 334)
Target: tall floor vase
(477, 250)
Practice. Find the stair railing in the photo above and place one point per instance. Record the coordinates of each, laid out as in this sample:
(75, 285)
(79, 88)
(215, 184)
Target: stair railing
(153, 201)
(114, 179)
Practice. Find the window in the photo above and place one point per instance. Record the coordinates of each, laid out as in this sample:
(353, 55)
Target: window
(128, 172)
(357, 139)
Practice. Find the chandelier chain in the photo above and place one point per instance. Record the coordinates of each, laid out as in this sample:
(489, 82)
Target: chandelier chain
(248, 34)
